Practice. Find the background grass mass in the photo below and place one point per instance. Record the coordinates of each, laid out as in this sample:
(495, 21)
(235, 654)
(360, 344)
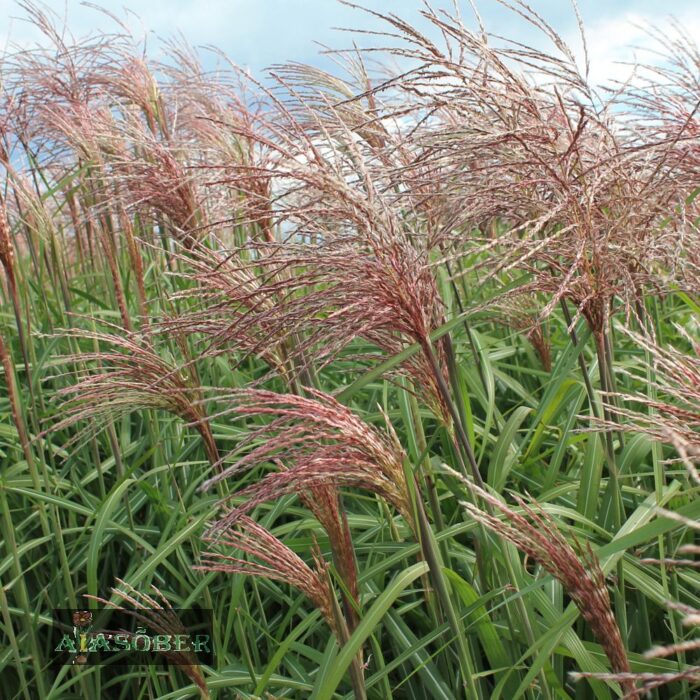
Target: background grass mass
(396, 372)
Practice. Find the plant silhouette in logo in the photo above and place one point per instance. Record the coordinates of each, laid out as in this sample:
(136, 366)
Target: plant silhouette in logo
(82, 618)
(82, 623)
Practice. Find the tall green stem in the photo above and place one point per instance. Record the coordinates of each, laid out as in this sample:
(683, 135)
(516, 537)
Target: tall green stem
(469, 452)
(432, 557)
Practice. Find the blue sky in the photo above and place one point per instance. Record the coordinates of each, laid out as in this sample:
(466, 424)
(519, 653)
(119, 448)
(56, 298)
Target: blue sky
(259, 33)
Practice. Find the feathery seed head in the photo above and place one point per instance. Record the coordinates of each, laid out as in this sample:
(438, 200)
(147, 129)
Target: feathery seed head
(319, 442)
(271, 559)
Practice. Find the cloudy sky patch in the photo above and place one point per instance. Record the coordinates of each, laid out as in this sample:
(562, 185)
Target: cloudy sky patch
(260, 33)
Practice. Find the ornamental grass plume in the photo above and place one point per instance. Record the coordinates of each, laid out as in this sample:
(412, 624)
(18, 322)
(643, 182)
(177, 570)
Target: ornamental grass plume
(646, 682)
(386, 294)
(271, 559)
(582, 200)
(315, 441)
(521, 313)
(128, 164)
(350, 259)
(130, 374)
(236, 310)
(291, 304)
(318, 445)
(219, 118)
(233, 307)
(689, 673)
(7, 251)
(672, 403)
(100, 106)
(159, 181)
(157, 614)
(575, 567)
(665, 102)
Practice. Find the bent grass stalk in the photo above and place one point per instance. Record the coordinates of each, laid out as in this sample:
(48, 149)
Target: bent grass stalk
(579, 572)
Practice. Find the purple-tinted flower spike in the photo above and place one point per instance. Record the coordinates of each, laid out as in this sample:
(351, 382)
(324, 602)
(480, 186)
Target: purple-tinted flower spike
(156, 614)
(272, 559)
(318, 442)
(130, 375)
(673, 415)
(575, 567)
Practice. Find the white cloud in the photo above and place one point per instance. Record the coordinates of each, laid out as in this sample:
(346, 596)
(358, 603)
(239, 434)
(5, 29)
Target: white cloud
(258, 33)
(251, 32)
(616, 43)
